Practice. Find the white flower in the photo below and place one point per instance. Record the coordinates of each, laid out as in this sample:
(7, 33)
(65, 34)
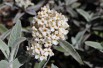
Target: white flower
(37, 56)
(55, 42)
(43, 57)
(23, 3)
(48, 27)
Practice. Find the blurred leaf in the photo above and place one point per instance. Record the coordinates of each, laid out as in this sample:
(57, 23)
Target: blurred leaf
(75, 5)
(71, 12)
(2, 6)
(79, 38)
(31, 10)
(15, 34)
(59, 48)
(5, 34)
(95, 45)
(15, 46)
(98, 33)
(53, 66)
(4, 64)
(17, 17)
(79, 35)
(98, 28)
(69, 48)
(40, 64)
(77, 23)
(2, 28)
(4, 48)
(73, 40)
(85, 14)
(16, 63)
(69, 2)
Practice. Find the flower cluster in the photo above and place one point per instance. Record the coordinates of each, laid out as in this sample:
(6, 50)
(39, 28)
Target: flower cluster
(23, 3)
(48, 27)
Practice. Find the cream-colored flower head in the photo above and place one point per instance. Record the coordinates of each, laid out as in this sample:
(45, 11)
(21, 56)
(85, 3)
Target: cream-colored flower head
(24, 3)
(48, 27)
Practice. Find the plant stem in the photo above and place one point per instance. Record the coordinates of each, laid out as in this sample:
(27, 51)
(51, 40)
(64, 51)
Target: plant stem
(46, 62)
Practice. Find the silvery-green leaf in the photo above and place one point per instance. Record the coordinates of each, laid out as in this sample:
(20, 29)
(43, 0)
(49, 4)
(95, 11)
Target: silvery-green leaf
(17, 17)
(77, 23)
(84, 14)
(15, 33)
(95, 45)
(75, 5)
(4, 64)
(16, 63)
(71, 12)
(31, 10)
(59, 48)
(69, 2)
(71, 50)
(39, 64)
(98, 28)
(5, 34)
(79, 38)
(79, 35)
(15, 47)
(66, 53)
(39, 5)
(2, 28)
(73, 40)
(53, 66)
(4, 48)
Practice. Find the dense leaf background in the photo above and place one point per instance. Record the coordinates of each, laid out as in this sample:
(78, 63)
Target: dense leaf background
(85, 18)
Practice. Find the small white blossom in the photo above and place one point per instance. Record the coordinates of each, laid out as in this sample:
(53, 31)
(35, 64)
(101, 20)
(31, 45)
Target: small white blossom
(48, 27)
(24, 3)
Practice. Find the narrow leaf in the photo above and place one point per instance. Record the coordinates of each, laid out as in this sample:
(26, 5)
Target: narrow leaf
(5, 34)
(70, 49)
(69, 2)
(32, 9)
(95, 45)
(59, 48)
(2, 28)
(84, 14)
(17, 17)
(4, 48)
(15, 33)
